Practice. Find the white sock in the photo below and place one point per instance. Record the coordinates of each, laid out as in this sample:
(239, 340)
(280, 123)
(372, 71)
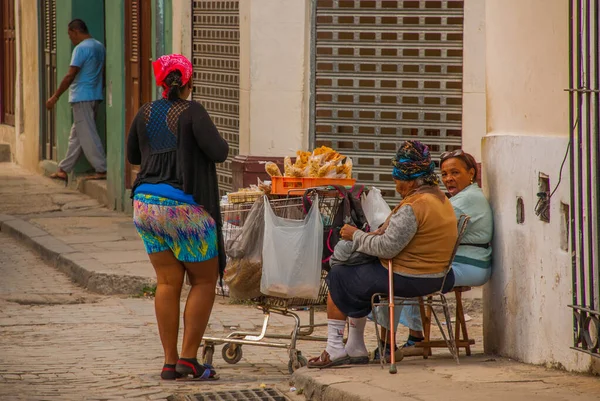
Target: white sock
(335, 338)
(356, 337)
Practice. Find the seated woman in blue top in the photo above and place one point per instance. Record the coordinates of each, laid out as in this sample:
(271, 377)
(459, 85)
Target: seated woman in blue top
(472, 264)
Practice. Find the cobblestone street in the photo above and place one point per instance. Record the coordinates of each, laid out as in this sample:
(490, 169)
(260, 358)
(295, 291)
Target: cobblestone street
(58, 341)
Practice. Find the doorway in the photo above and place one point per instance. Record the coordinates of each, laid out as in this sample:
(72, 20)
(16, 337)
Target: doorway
(138, 67)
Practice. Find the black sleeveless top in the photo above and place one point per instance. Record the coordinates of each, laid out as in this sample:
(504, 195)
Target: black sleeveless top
(177, 143)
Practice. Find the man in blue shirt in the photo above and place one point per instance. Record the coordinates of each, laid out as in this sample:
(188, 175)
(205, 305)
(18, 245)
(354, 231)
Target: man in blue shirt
(84, 81)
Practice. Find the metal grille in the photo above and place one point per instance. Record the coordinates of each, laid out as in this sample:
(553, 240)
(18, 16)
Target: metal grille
(49, 78)
(268, 394)
(8, 75)
(387, 71)
(216, 59)
(585, 174)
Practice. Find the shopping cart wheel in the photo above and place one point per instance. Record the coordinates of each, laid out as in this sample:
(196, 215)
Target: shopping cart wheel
(207, 353)
(301, 361)
(232, 353)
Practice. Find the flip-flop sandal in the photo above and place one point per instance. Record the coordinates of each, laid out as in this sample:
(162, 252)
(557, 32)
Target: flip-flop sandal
(324, 361)
(198, 372)
(359, 360)
(59, 176)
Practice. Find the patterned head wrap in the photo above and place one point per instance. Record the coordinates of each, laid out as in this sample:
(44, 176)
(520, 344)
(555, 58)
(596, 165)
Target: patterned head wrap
(169, 63)
(413, 161)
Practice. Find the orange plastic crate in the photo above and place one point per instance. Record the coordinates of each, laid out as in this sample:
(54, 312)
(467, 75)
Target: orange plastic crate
(294, 185)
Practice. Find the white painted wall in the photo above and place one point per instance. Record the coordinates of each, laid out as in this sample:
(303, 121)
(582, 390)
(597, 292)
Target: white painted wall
(182, 27)
(474, 106)
(525, 303)
(274, 74)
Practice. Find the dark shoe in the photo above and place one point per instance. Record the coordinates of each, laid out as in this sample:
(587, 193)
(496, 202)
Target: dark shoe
(410, 349)
(386, 350)
(190, 367)
(169, 372)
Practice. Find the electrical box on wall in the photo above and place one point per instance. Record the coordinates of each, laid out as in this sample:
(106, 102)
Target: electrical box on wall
(542, 208)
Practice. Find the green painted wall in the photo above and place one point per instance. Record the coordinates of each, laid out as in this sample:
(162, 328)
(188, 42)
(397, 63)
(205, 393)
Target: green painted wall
(92, 12)
(115, 102)
(162, 9)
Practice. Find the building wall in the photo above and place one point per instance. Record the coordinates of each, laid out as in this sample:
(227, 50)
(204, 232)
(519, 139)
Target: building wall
(28, 120)
(525, 304)
(115, 104)
(274, 76)
(473, 114)
(181, 27)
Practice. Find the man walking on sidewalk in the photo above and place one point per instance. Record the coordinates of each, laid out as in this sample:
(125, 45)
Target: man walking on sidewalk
(84, 81)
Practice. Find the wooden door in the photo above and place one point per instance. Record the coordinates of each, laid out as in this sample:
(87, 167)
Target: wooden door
(48, 33)
(138, 66)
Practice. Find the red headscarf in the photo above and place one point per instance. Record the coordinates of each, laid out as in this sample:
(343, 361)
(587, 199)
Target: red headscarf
(169, 63)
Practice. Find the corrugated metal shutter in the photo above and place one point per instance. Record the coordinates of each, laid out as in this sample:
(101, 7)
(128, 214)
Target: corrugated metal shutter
(387, 71)
(216, 59)
(9, 64)
(49, 84)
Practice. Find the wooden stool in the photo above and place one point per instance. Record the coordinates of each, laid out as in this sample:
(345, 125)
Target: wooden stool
(460, 327)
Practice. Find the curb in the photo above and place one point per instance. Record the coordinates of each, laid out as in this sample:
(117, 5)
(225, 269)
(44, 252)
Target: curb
(328, 390)
(81, 268)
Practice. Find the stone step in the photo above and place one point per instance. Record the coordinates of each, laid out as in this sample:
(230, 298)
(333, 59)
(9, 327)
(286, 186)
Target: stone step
(95, 189)
(5, 155)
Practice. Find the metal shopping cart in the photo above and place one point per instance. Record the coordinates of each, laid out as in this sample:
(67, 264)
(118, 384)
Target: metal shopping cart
(234, 217)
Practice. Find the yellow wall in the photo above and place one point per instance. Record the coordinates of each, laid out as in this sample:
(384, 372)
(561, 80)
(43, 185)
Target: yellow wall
(28, 112)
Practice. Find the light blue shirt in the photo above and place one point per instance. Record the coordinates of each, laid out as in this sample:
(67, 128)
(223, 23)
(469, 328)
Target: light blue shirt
(472, 202)
(89, 57)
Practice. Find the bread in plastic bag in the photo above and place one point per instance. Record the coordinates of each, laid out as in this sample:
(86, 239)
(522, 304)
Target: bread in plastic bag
(244, 251)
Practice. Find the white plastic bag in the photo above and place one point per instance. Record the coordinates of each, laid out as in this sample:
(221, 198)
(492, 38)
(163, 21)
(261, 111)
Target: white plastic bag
(292, 251)
(376, 208)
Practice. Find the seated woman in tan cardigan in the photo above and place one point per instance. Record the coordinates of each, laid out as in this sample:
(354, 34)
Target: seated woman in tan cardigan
(418, 237)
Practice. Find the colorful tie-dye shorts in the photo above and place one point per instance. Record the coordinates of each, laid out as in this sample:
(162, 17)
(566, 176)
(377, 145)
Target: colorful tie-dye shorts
(164, 224)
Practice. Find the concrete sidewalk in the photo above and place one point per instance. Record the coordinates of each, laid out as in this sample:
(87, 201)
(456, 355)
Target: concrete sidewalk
(477, 378)
(98, 248)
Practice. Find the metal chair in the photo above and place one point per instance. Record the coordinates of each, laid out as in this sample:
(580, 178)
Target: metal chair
(430, 300)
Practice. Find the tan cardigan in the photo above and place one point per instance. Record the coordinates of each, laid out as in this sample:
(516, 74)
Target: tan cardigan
(429, 251)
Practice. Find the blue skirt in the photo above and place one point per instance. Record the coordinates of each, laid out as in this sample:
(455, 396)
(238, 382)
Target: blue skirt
(351, 287)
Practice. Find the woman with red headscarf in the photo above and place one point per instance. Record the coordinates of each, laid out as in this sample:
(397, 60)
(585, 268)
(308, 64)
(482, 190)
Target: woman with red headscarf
(176, 210)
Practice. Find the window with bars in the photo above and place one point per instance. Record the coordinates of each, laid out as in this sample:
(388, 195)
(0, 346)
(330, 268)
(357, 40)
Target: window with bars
(49, 78)
(8, 75)
(585, 174)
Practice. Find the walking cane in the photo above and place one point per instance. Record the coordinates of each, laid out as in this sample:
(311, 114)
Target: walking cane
(393, 369)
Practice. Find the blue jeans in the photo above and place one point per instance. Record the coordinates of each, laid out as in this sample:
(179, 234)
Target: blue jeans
(410, 315)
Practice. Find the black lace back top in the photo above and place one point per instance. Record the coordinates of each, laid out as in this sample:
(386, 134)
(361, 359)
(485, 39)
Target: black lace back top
(177, 143)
